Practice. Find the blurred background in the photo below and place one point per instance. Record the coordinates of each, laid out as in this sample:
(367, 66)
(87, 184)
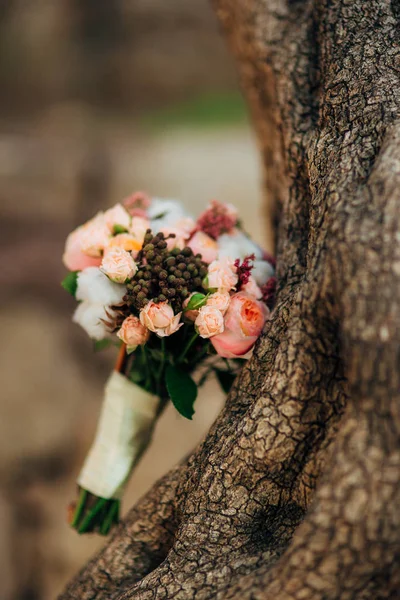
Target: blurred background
(98, 99)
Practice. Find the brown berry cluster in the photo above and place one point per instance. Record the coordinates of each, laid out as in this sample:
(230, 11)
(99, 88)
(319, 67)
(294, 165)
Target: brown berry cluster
(164, 275)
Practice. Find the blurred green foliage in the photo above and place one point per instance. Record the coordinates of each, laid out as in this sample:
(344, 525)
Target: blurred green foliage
(222, 109)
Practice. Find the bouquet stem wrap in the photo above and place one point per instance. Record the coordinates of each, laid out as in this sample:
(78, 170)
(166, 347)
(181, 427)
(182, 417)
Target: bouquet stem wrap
(124, 432)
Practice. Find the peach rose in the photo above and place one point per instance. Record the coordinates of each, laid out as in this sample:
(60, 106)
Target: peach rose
(160, 318)
(203, 244)
(133, 333)
(118, 265)
(117, 215)
(222, 275)
(209, 322)
(73, 258)
(244, 321)
(95, 236)
(220, 300)
(126, 242)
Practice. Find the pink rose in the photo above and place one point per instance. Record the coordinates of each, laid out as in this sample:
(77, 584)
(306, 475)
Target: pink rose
(209, 322)
(160, 318)
(95, 236)
(220, 300)
(73, 258)
(133, 333)
(222, 274)
(117, 215)
(203, 244)
(252, 288)
(118, 265)
(137, 204)
(244, 322)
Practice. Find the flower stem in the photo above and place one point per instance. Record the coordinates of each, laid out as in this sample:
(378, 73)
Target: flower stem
(160, 371)
(91, 515)
(146, 366)
(80, 506)
(109, 519)
(121, 359)
(187, 347)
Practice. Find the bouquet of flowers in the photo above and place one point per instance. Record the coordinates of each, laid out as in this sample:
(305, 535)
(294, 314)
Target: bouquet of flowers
(175, 294)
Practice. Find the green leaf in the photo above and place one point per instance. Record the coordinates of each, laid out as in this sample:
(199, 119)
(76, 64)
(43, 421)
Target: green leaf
(196, 301)
(101, 344)
(181, 389)
(136, 376)
(225, 379)
(70, 282)
(119, 229)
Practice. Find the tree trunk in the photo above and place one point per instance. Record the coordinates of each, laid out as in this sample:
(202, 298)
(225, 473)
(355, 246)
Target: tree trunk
(295, 493)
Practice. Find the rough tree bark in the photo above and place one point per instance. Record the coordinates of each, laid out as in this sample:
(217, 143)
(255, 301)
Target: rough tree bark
(295, 493)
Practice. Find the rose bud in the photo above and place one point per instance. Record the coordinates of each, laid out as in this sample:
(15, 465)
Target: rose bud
(222, 275)
(133, 333)
(220, 300)
(160, 318)
(209, 322)
(118, 265)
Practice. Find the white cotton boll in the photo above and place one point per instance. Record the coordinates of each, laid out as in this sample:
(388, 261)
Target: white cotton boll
(262, 271)
(169, 211)
(89, 317)
(237, 245)
(95, 287)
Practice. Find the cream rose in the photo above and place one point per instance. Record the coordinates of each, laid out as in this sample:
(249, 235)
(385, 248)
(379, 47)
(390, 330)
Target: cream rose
(133, 333)
(160, 318)
(118, 265)
(117, 215)
(220, 300)
(209, 322)
(222, 275)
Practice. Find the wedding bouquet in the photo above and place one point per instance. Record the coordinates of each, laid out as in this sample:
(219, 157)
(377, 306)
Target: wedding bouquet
(183, 299)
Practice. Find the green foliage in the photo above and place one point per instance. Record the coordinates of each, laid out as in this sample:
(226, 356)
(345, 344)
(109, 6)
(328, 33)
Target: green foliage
(197, 301)
(217, 109)
(181, 389)
(70, 282)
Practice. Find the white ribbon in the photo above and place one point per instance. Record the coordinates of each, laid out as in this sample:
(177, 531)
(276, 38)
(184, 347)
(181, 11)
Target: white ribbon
(123, 433)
